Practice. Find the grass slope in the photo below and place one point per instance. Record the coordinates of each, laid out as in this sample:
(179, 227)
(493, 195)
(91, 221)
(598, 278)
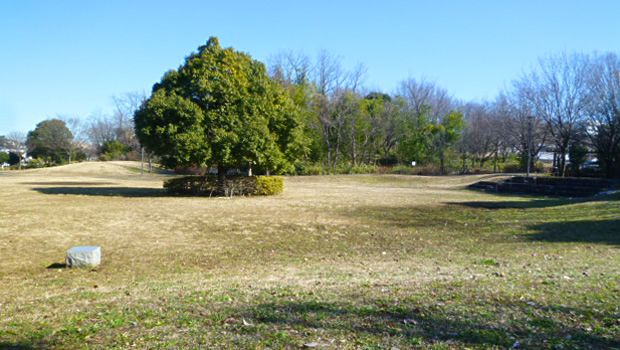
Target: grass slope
(345, 262)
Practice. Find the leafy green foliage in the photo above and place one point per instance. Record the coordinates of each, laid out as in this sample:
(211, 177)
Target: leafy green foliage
(51, 139)
(269, 185)
(445, 135)
(4, 157)
(220, 108)
(37, 163)
(416, 141)
(113, 150)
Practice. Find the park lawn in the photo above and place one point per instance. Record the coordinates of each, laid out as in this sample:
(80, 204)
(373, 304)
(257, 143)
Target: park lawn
(336, 262)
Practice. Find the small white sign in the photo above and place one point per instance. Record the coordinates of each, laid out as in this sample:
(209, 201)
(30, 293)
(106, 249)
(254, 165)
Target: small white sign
(413, 163)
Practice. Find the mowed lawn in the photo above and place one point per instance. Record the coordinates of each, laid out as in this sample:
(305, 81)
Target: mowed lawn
(336, 262)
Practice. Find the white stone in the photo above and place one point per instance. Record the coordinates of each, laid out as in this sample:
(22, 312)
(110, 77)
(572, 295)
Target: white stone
(84, 256)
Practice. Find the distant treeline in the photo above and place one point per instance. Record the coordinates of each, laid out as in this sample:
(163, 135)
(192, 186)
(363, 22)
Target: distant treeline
(568, 105)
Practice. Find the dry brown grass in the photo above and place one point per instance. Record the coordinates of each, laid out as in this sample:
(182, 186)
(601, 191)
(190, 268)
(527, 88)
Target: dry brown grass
(346, 240)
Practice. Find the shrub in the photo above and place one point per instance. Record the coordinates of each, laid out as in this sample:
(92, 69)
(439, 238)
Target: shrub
(515, 166)
(268, 185)
(339, 169)
(403, 170)
(231, 186)
(37, 163)
(364, 169)
(309, 169)
(416, 170)
(4, 157)
(113, 150)
(511, 166)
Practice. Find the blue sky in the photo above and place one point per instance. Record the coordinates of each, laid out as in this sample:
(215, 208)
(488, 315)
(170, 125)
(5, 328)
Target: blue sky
(70, 57)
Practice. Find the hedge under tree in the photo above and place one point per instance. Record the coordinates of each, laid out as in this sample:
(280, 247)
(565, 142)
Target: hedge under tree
(220, 108)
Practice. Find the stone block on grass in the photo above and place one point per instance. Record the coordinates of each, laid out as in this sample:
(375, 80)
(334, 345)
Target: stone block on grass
(84, 256)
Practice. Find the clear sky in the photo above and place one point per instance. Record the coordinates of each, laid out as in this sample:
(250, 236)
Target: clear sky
(70, 57)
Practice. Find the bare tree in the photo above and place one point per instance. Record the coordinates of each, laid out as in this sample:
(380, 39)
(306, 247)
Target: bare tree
(604, 112)
(391, 125)
(125, 107)
(481, 135)
(116, 127)
(80, 131)
(424, 96)
(523, 130)
(290, 68)
(16, 142)
(333, 102)
(101, 129)
(558, 93)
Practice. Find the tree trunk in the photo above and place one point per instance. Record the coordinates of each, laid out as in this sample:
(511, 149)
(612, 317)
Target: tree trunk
(328, 143)
(562, 163)
(442, 168)
(221, 172)
(353, 144)
(464, 168)
(337, 150)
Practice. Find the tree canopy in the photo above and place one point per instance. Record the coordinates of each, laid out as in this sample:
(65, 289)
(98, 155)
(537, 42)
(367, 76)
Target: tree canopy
(51, 139)
(220, 108)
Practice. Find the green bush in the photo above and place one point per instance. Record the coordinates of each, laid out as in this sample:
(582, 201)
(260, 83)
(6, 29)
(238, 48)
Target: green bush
(268, 185)
(309, 169)
(339, 169)
(113, 150)
(511, 166)
(4, 157)
(231, 186)
(416, 170)
(364, 169)
(403, 170)
(37, 163)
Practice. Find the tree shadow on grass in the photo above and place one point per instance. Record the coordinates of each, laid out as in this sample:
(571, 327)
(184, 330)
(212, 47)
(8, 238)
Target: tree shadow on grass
(20, 346)
(404, 216)
(534, 203)
(584, 231)
(413, 325)
(104, 191)
(67, 183)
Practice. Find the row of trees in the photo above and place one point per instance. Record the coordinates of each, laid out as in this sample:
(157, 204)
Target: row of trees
(62, 139)
(567, 104)
(223, 109)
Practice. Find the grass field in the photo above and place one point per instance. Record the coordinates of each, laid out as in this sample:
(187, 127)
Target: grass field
(336, 262)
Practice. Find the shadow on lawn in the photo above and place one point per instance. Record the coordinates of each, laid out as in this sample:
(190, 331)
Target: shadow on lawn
(19, 346)
(67, 183)
(56, 265)
(105, 191)
(413, 325)
(535, 203)
(585, 231)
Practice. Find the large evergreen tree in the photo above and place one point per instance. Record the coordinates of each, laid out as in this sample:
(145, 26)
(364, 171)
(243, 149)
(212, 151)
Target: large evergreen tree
(51, 140)
(221, 109)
